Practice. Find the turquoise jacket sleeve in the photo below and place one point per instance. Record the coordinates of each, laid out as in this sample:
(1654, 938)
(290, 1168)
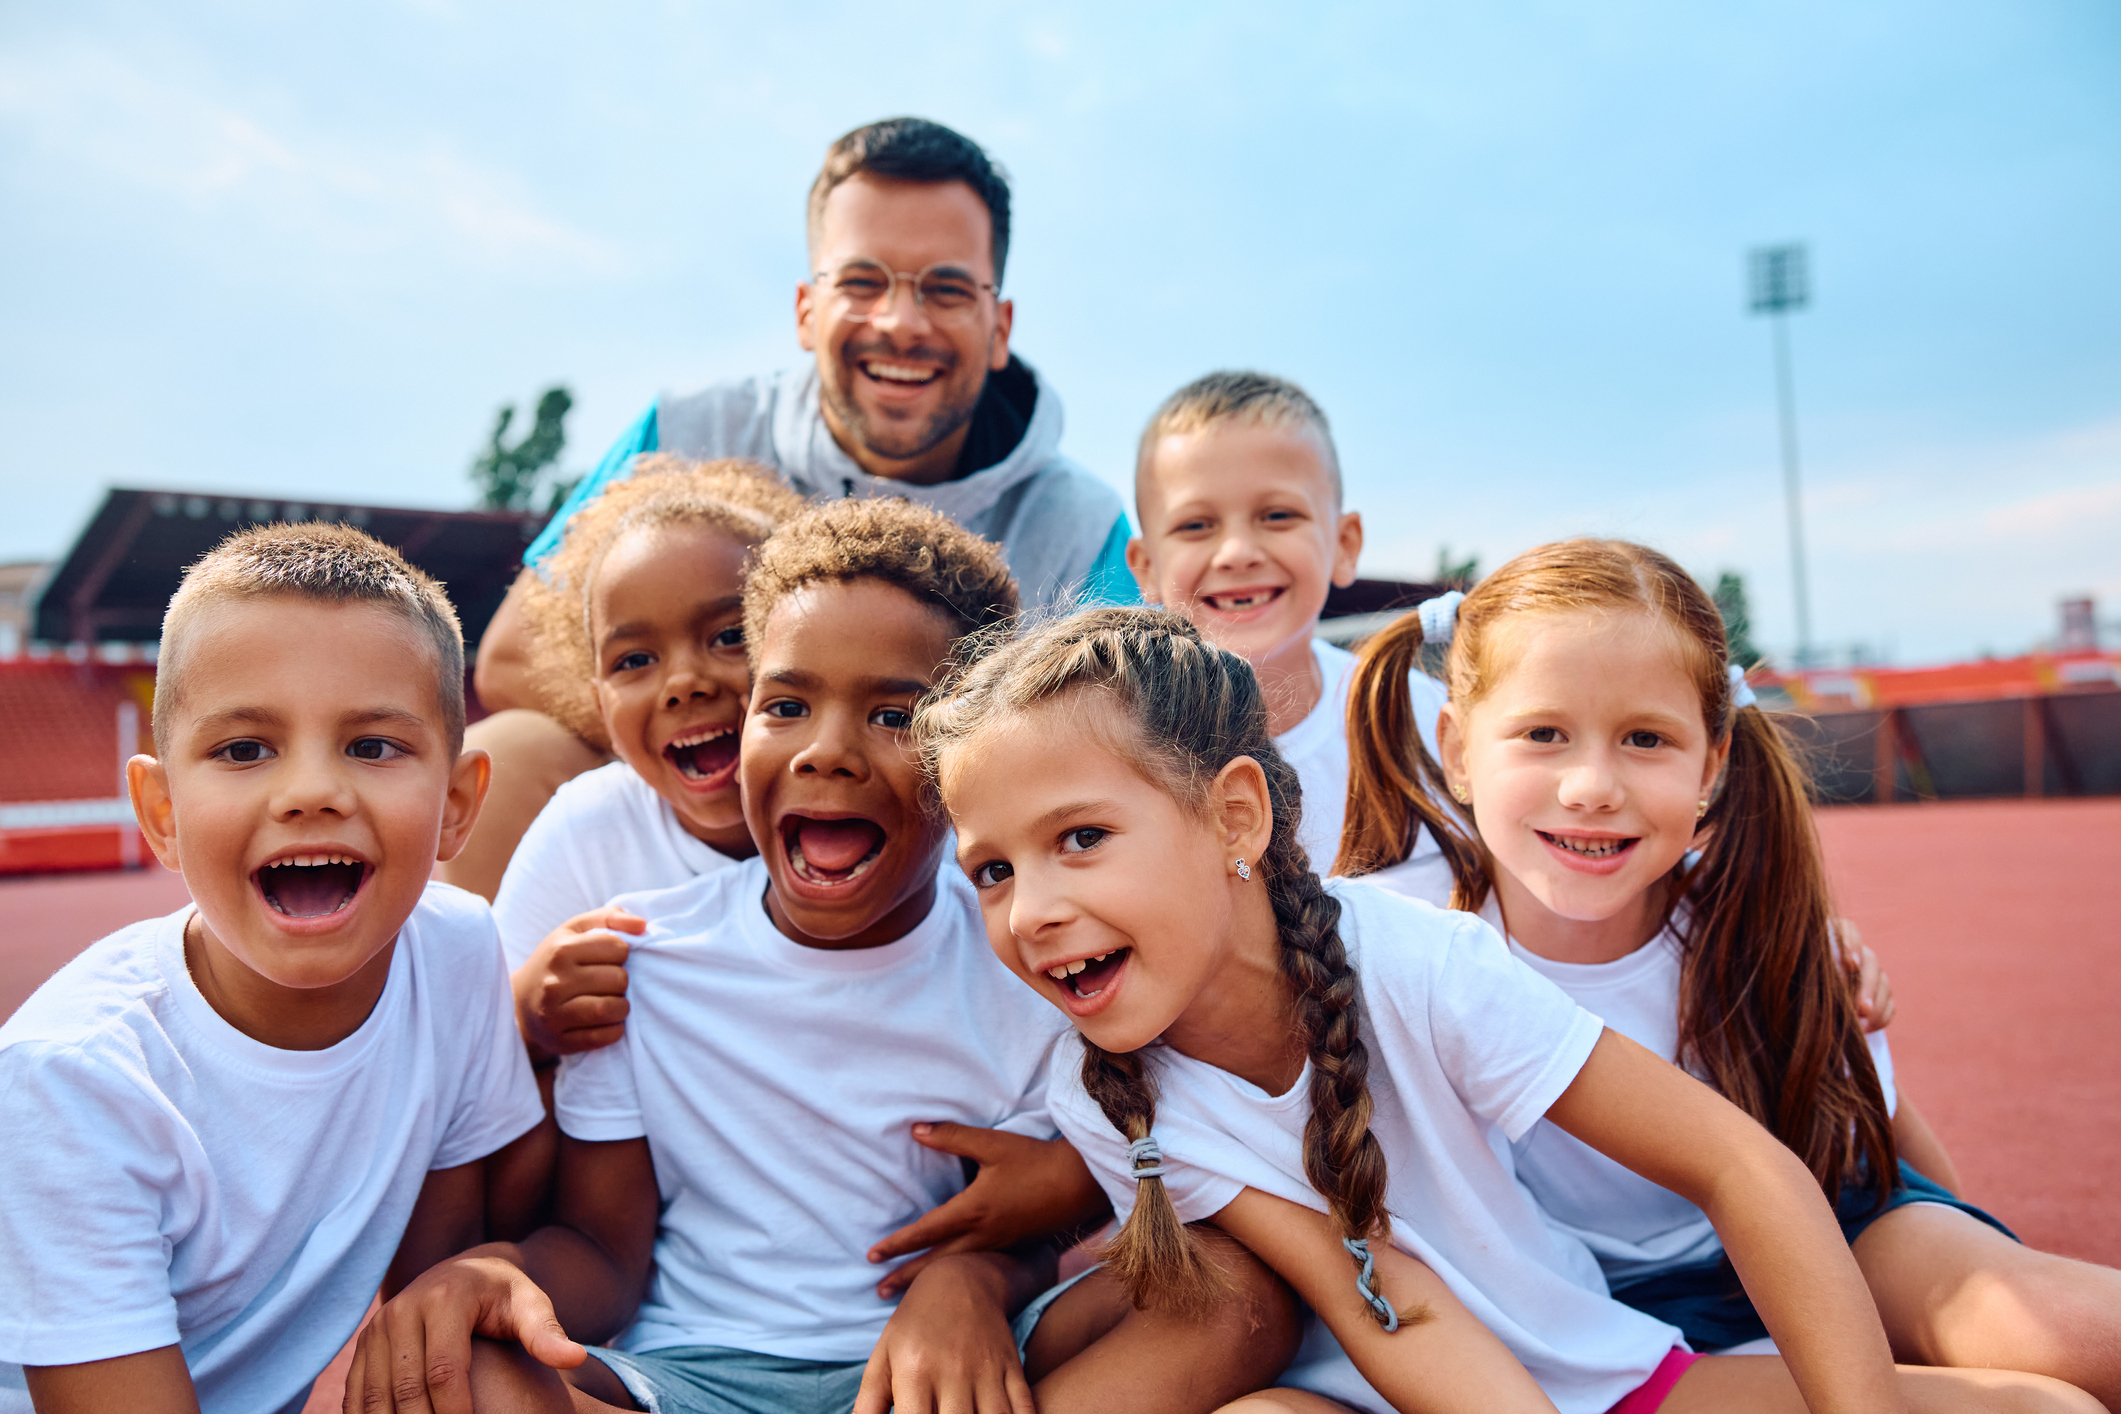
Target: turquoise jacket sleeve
(616, 466)
(1109, 580)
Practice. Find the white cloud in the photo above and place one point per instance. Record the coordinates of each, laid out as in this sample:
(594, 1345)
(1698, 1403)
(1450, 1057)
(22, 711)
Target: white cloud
(86, 109)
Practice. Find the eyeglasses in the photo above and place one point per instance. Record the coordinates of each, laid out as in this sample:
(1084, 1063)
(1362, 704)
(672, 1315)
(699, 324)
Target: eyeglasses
(862, 288)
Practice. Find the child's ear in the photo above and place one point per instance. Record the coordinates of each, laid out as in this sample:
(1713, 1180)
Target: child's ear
(1347, 549)
(1243, 808)
(1712, 769)
(1144, 572)
(468, 780)
(147, 780)
(1451, 748)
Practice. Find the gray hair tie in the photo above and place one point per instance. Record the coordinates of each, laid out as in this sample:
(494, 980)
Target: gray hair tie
(1146, 1158)
(1366, 1281)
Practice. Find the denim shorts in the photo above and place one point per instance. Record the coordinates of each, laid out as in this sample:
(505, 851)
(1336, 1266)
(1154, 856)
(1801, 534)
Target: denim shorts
(1707, 1302)
(710, 1379)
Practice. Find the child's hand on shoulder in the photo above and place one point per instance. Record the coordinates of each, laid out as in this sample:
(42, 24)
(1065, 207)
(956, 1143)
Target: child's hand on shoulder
(1874, 990)
(1026, 1190)
(949, 1345)
(571, 995)
(416, 1352)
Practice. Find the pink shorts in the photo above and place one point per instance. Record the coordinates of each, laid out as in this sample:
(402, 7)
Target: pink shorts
(1651, 1392)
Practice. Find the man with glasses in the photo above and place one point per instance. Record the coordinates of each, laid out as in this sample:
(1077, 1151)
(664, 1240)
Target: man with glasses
(911, 391)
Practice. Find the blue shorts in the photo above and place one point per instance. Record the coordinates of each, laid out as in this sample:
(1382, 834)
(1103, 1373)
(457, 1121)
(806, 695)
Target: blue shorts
(710, 1379)
(1706, 1300)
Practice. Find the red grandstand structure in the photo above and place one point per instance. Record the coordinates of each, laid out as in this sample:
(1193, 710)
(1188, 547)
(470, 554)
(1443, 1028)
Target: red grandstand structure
(77, 699)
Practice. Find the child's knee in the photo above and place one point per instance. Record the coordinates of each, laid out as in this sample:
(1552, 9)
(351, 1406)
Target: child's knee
(504, 1378)
(1262, 1315)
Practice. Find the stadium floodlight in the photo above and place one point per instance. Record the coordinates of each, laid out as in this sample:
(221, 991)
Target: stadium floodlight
(1779, 283)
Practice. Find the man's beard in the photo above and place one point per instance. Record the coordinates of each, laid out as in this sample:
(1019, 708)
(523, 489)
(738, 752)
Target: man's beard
(893, 441)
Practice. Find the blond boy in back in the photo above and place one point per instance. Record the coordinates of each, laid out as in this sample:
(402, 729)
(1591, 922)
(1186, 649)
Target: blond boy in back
(1237, 486)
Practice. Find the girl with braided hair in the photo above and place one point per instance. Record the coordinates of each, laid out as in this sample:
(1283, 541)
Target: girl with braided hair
(1641, 833)
(1331, 1074)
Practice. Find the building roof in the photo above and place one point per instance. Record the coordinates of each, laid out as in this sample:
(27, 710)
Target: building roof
(116, 579)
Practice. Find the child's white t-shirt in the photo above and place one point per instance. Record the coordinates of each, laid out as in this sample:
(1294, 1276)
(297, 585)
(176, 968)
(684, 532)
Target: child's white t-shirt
(604, 833)
(1317, 747)
(170, 1181)
(1636, 1228)
(1468, 1048)
(777, 1086)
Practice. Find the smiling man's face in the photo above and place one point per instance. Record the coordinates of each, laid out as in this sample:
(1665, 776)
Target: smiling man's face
(898, 389)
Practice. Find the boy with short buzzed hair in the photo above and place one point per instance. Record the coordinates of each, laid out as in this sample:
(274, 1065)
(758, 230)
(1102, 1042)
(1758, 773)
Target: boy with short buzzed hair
(229, 1126)
(1237, 485)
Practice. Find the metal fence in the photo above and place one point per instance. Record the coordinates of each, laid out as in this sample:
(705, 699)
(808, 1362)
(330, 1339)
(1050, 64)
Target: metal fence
(2059, 745)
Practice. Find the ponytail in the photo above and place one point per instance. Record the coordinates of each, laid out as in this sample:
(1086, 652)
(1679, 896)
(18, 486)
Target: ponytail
(1765, 1008)
(1393, 782)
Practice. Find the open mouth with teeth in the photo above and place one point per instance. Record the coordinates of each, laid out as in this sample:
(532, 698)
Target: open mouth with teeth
(1595, 851)
(311, 885)
(1089, 976)
(899, 375)
(831, 852)
(1238, 601)
(704, 756)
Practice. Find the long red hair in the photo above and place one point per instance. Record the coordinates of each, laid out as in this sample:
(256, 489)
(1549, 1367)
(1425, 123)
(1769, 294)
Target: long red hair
(1766, 1014)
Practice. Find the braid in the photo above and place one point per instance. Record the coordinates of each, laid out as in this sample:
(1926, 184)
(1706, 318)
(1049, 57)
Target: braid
(1157, 1259)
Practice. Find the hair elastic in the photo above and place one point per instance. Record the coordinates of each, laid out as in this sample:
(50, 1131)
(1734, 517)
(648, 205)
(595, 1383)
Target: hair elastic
(1366, 1281)
(1439, 617)
(1741, 690)
(1147, 1159)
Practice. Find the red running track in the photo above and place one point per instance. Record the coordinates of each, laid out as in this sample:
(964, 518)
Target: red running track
(2000, 925)
(1999, 922)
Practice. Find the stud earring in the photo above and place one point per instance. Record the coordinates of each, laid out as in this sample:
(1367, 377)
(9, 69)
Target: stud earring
(1244, 871)
(1461, 795)
(1701, 808)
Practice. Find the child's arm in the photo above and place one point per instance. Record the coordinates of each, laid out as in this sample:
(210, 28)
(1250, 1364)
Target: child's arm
(1920, 1146)
(1774, 1222)
(151, 1382)
(1440, 1359)
(447, 1217)
(1025, 1189)
(571, 994)
(584, 1274)
(949, 1345)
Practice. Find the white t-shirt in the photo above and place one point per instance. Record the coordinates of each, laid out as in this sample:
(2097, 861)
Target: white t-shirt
(604, 833)
(1468, 1048)
(778, 1085)
(1317, 747)
(1636, 1228)
(169, 1180)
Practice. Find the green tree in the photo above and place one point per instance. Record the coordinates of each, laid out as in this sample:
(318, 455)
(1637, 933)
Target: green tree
(507, 476)
(1737, 619)
(1460, 572)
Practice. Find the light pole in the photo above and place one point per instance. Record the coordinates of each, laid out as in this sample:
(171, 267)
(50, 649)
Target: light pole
(1780, 283)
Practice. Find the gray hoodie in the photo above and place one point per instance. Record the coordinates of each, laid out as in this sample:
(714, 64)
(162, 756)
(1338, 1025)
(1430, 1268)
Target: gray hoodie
(1064, 532)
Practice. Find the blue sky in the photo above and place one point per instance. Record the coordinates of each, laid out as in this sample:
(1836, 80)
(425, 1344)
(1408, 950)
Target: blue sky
(308, 250)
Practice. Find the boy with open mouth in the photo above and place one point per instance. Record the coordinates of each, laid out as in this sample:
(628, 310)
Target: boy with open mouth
(803, 1026)
(229, 1126)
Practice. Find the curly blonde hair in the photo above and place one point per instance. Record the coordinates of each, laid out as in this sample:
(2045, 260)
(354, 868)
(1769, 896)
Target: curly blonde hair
(921, 551)
(742, 499)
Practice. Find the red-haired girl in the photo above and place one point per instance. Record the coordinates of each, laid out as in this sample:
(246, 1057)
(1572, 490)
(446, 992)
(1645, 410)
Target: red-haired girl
(1641, 833)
